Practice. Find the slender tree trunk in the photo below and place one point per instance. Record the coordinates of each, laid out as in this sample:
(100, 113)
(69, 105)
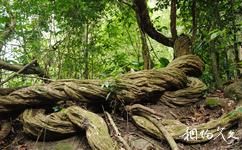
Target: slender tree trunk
(194, 20)
(226, 65)
(145, 51)
(215, 65)
(145, 48)
(236, 54)
(86, 69)
(183, 43)
(173, 20)
(214, 53)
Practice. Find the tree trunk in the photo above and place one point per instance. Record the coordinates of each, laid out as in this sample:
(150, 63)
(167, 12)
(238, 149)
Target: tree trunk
(194, 20)
(86, 59)
(145, 52)
(236, 50)
(214, 51)
(173, 20)
(226, 65)
(145, 85)
(147, 26)
(145, 48)
(215, 65)
(182, 46)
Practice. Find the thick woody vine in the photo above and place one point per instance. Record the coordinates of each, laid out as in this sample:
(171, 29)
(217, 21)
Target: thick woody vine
(174, 85)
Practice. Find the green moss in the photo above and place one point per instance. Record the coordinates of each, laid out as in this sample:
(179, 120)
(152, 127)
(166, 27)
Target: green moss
(212, 102)
(64, 146)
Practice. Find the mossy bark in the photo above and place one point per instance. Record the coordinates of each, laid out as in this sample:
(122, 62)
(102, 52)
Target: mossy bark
(67, 122)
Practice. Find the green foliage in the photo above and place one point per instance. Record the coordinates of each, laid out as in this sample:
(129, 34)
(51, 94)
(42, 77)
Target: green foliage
(217, 32)
(163, 62)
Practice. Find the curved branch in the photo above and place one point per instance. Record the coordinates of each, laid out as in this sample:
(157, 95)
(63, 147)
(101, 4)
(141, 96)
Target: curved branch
(34, 69)
(19, 71)
(147, 26)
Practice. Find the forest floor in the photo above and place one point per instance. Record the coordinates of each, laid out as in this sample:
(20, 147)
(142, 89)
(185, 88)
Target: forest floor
(193, 114)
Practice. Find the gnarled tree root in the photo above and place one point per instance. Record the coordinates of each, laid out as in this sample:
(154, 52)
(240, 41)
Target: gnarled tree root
(163, 132)
(191, 94)
(117, 134)
(68, 121)
(179, 130)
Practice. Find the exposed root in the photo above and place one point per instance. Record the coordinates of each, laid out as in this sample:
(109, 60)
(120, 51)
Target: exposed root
(96, 129)
(141, 108)
(164, 132)
(178, 130)
(191, 94)
(68, 121)
(117, 134)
